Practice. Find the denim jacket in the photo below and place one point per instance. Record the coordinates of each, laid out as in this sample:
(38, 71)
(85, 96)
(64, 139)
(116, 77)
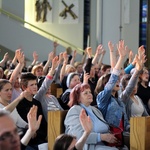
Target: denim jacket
(112, 109)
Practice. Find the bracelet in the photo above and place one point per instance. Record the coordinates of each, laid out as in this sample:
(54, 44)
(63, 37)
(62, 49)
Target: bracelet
(50, 77)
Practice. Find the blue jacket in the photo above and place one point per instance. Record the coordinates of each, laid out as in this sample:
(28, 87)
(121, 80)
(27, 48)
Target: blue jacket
(112, 109)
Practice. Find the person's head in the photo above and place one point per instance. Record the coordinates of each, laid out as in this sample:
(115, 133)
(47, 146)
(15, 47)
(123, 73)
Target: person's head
(69, 69)
(79, 67)
(124, 82)
(9, 138)
(97, 68)
(37, 70)
(92, 71)
(105, 69)
(72, 80)
(16, 84)
(5, 90)
(101, 83)
(28, 82)
(65, 142)
(144, 76)
(81, 93)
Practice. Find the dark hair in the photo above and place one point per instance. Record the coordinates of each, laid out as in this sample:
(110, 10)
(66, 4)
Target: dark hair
(3, 82)
(101, 83)
(140, 79)
(25, 78)
(75, 93)
(104, 67)
(63, 142)
(125, 79)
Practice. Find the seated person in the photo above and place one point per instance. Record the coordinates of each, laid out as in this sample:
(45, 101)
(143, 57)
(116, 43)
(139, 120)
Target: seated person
(5, 98)
(9, 137)
(81, 97)
(72, 80)
(133, 104)
(44, 93)
(28, 83)
(65, 141)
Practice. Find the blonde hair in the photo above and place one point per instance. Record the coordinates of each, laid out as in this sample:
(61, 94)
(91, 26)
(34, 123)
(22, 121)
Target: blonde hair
(35, 68)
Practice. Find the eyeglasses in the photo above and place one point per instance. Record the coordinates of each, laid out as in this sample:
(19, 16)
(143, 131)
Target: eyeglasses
(9, 135)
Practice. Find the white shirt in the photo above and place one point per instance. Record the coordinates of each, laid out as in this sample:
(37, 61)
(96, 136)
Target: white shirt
(137, 109)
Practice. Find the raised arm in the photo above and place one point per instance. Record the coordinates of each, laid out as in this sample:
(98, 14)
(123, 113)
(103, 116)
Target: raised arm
(20, 57)
(35, 58)
(113, 59)
(88, 64)
(101, 57)
(3, 61)
(87, 127)
(48, 63)
(62, 72)
(14, 61)
(55, 44)
(33, 124)
(122, 50)
(97, 54)
(73, 57)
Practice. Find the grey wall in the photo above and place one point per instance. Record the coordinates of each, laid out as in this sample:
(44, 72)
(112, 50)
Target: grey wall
(105, 22)
(108, 21)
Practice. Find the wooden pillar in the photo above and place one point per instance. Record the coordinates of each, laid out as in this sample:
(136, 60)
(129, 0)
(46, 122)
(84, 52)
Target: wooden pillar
(55, 126)
(140, 133)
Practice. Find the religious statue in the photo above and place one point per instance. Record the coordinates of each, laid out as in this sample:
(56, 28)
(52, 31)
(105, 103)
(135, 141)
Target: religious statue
(38, 9)
(45, 5)
(41, 10)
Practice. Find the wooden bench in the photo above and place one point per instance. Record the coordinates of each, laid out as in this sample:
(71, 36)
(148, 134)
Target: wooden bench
(56, 90)
(55, 126)
(140, 133)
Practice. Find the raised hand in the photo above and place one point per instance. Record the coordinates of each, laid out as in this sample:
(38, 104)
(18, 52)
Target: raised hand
(35, 56)
(6, 56)
(86, 77)
(99, 49)
(20, 56)
(55, 63)
(111, 46)
(51, 56)
(61, 57)
(33, 122)
(89, 52)
(122, 49)
(65, 56)
(85, 121)
(55, 44)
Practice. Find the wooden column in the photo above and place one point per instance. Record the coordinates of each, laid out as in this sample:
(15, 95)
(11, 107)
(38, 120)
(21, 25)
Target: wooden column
(140, 133)
(55, 126)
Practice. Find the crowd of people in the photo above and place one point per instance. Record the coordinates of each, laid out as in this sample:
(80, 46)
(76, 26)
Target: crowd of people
(99, 97)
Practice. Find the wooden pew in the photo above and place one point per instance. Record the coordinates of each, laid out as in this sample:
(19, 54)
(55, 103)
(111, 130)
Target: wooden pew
(55, 126)
(140, 133)
(56, 90)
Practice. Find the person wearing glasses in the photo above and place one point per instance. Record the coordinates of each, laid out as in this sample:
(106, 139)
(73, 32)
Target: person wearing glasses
(9, 137)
